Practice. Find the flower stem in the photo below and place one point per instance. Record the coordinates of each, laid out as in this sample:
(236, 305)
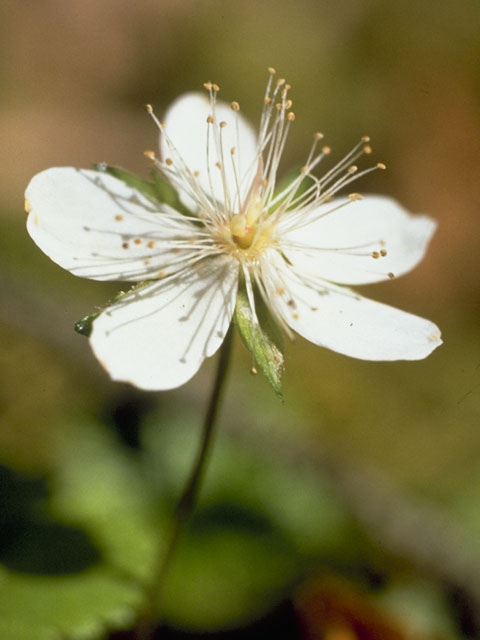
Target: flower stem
(188, 498)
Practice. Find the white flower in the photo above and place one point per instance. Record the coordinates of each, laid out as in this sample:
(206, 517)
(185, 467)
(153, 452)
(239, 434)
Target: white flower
(295, 246)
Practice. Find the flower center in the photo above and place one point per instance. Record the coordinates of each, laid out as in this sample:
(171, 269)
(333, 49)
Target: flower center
(248, 232)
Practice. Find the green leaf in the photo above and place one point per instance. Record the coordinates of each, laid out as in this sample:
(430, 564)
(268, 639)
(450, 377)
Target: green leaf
(50, 588)
(265, 342)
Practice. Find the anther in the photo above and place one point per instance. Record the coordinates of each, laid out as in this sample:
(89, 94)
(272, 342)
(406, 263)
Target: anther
(326, 150)
(233, 151)
(222, 124)
(253, 371)
(375, 254)
(267, 100)
(149, 108)
(27, 206)
(381, 166)
(216, 88)
(352, 169)
(196, 174)
(288, 104)
(366, 139)
(355, 196)
(218, 165)
(271, 71)
(119, 217)
(280, 82)
(138, 241)
(149, 154)
(383, 252)
(125, 245)
(210, 119)
(390, 275)
(317, 135)
(235, 106)
(367, 149)
(207, 85)
(151, 244)
(291, 116)
(168, 161)
(288, 87)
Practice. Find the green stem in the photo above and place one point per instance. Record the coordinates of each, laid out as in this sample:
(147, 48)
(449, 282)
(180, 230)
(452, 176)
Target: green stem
(188, 499)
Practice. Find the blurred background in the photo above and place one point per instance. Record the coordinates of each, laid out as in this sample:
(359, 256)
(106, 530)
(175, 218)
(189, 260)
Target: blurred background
(353, 509)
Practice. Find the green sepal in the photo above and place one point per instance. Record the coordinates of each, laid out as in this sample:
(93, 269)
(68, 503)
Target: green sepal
(265, 342)
(84, 325)
(287, 180)
(157, 189)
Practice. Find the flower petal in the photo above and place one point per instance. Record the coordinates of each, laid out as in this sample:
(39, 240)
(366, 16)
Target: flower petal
(346, 246)
(158, 336)
(98, 227)
(194, 144)
(339, 319)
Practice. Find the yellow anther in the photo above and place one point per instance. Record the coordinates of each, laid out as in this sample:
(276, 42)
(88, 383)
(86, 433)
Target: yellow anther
(215, 87)
(149, 154)
(326, 150)
(366, 139)
(168, 161)
(218, 165)
(381, 166)
(222, 124)
(27, 206)
(288, 104)
(149, 108)
(375, 254)
(271, 71)
(210, 119)
(233, 151)
(352, 169)
(318, 135)
(280, 82)
(253, 371)
(383, 252)
(267, 100)
(355, 196)
(235, 106)
(207, 85)
(291, 116)
(367, 149)
(390, 275)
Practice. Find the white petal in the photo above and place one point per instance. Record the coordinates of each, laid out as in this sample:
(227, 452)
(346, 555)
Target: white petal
(190, 134)
(337, 318)
(339, 246)
(157, 337)
(97, 227)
